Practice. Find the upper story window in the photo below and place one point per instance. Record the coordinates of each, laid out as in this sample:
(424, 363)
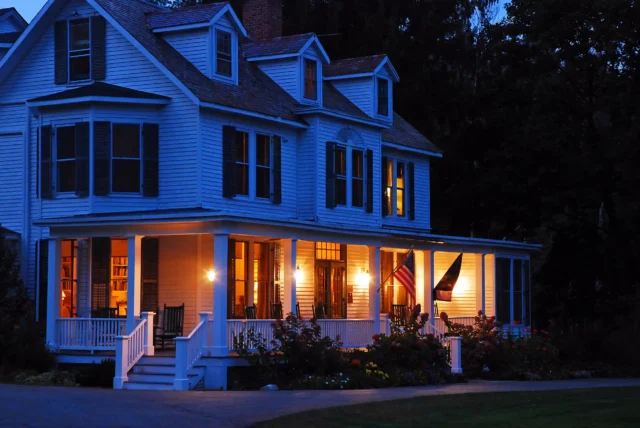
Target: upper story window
(345, 176)
(251, 165)
(126, 158)
(310, 79)
(65, 163)
(383, 97)
(79, 49)
(224, 53)
(398, 197)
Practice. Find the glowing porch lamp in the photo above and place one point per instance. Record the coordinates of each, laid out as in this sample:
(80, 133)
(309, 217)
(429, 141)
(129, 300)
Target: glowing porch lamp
(211, 275)
(299, 275)
(363, 279)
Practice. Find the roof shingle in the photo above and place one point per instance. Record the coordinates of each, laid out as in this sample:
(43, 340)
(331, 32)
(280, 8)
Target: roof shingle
(185, 16)
(403, 133)
(278, 46)
(344, 67)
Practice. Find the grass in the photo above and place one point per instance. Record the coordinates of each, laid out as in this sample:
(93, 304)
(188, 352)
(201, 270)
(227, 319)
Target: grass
(609, 407)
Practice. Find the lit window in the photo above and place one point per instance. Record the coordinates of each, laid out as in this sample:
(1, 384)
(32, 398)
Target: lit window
(263, 166)
(383, 97)
(125, 159)
(329, 251)
(341, 175)
(242, 163)
(388, 192)
(66, 159)
(223, 53)
(400, 185)
(357, 178)
(310, 79)
(79, 50)
(395, 188)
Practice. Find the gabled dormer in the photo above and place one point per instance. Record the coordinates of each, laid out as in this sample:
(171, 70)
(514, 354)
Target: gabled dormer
(367, 82)
(293, 62)
(11, 27)
(207, 35)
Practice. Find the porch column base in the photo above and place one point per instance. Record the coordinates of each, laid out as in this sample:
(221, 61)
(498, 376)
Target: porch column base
(118, 382)
(216, 378)
(181, 384)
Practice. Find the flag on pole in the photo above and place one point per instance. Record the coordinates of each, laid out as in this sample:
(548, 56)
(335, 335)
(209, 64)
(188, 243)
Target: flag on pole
(406, 274)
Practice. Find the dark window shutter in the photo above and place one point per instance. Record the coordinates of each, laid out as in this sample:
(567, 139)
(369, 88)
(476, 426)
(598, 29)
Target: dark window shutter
(37, 163)
(150, 149)
(369, 180)
(42, 250)
(412, 191)
(61, 46)
(331, 175)
(150, 266)
(101, 158)
(100, 272)
(231, 281)
(385, 208)
(98, 48)
(82, 158)
(228, 162)
(46, 163)
(276, 198)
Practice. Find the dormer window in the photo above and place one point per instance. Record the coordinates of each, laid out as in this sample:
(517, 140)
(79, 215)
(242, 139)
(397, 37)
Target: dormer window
(383, 97)
(79, 50)
(224, 56)
(310, 79)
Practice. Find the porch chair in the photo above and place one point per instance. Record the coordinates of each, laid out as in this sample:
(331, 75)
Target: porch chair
(319, 311)
(171, 325)
(276, 311)
(399, 314)
(106, 313)
(250, 312)
(297, 310)
(436, 312)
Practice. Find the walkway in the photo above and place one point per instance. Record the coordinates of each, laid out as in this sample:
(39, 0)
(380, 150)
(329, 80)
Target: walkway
(75, 407)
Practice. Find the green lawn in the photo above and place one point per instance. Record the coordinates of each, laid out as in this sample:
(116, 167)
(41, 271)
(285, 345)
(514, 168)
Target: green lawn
(611, 407)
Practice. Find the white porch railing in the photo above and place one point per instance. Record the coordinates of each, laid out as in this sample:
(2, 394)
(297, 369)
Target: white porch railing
(89, 334)
(132, 347)
(261, 327)
(190, 349)
(440, 325)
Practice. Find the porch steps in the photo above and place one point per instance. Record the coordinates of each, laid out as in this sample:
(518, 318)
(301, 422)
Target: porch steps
(158, 374)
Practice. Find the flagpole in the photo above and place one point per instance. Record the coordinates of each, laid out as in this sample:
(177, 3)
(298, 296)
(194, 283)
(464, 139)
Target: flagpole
(395, 270)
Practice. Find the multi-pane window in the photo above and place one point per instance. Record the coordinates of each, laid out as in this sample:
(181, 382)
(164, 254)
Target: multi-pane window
(126, 158)
(66, 159)
(383, 97)
(341, 175)
(79, 50)
(310, 79)
(224, 55)
(242, 163)
(357, 178)
(263, 166)
(513, 291)
(329, 251)
(400, 186)
(388, 192)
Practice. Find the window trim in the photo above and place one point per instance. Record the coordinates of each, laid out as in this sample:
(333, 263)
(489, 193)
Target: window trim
(306, 60)
(55, 161)
(349, 177)
(248, 164)
(253, 152)
(140, 159)
(393, 209)
(377, 97)
(256, 166)
(525, 311)
(213, 52)
(70, 52)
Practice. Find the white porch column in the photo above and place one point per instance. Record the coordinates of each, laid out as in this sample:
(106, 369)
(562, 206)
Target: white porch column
(456, 355)
(290, 250)
(148, 333)
(84, 278)
(429, 268)
(374, 288)
(480, 283)
(53, 292)
(134, 281)
(220, 264)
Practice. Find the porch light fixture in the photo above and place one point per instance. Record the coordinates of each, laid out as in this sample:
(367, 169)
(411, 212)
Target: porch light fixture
(363, 279)
(298, 275)
(211, 275)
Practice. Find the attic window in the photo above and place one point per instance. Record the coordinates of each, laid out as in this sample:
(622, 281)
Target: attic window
(79, 50)
(310, 79)
(383, 97)
(223, 53)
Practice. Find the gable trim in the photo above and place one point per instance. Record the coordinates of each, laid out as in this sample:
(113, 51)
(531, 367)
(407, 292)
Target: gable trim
(5, 45)
(13, 14)
(387, 62)
(181, 27)
(340, 115)
(272, 57)
(349, 76)
(228, 9)
(97, 99)
(315, 40)
(411, 149)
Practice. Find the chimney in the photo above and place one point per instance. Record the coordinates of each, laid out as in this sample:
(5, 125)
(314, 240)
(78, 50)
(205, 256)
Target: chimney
(262, 18)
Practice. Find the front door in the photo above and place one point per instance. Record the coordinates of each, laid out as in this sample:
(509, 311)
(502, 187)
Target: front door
(331, 288)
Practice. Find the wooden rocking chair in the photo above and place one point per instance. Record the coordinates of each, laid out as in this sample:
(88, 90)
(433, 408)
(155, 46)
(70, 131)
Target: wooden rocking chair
(172, 325)
(276, 311)
(250, 312)
(319, 311)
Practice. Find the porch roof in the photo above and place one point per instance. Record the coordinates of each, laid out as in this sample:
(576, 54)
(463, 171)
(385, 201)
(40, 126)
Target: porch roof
(203, 220)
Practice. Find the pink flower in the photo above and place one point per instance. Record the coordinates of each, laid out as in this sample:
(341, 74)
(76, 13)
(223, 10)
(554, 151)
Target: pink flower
(444, 317)
(480, 312)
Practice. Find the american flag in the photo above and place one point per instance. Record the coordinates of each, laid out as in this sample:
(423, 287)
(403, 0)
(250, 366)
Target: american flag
(406, 274)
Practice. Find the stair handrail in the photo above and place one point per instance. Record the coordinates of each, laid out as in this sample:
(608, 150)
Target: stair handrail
(190, 349)
(132, 347)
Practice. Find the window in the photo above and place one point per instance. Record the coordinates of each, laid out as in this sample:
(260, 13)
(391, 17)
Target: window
(224, 54)
(242, 163)
(263, 166)
(79, 50)
(66, 159)
(400, 185)
(383, 97)
(125, 158)
(513, 291)
(388, 192)
(330, 251)
(357, 178)
(341, 175)
(310, 79)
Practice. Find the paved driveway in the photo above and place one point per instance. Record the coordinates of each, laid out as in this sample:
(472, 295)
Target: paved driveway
(83, 407)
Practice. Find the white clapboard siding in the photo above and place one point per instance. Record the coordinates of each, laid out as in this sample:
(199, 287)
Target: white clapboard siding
(328, 129)
(286, 73)
(358, 91)
(193, 45)
(357, 259)
(463, 302)
(307, 172)
(205, 287)
(490, 284)
(178, 276)
(305, 288)
(12, 181)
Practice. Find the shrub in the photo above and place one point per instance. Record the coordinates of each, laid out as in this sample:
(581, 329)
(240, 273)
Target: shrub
(53, 378)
